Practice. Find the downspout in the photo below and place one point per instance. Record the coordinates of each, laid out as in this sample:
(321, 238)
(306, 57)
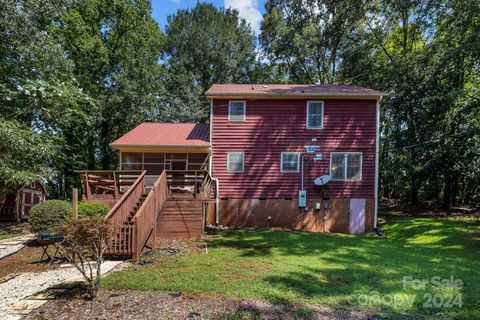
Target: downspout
(217, 183)
(217, 187)
(301, 164)
(377, 151)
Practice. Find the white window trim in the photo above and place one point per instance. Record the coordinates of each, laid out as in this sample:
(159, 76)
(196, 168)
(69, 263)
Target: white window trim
(298, 162)
(346, 165)
(243, 161)
(308, 114)
(244, 109)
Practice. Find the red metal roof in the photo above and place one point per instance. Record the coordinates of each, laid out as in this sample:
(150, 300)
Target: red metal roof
(290, 89)
(166, 134)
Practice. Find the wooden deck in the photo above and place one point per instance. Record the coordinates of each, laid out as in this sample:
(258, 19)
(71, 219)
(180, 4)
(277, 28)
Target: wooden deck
(175, 206)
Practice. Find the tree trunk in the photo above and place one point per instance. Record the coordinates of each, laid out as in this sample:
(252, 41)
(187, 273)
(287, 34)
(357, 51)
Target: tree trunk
(91, 152)
(414, 191)
(447, 193)
(455, 190)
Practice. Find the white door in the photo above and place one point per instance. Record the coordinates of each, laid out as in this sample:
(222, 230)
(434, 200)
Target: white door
(357, 216)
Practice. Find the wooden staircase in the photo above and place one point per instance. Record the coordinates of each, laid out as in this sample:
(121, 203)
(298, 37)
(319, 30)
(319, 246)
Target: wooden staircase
(135, 208)
(181, 217)
(175, 207)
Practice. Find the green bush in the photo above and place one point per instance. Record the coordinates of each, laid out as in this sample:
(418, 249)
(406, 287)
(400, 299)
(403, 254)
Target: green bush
(92, 209)
(49, 215)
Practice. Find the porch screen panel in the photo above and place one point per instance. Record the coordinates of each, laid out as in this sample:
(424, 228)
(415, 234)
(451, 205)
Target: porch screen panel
(132, 161)
(198, 161)
(154, 163)
(176, 156)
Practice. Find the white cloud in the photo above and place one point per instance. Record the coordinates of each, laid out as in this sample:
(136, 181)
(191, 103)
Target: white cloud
(248, 9)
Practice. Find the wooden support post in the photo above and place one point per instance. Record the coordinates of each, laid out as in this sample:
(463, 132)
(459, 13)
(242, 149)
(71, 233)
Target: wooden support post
(75, 203)
(87, 186)
(115, 185)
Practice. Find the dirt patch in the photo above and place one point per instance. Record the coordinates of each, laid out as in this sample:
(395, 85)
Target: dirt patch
(160, 305)
(173, 247)
(25, 260)
(389, 207)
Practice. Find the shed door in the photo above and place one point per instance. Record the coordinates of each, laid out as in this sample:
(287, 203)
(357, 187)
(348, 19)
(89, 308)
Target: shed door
(357, 216)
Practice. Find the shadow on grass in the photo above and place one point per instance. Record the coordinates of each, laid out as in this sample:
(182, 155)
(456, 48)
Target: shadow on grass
(347, 269)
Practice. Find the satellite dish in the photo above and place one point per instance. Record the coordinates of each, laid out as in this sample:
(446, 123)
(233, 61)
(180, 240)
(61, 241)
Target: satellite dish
(322, 180)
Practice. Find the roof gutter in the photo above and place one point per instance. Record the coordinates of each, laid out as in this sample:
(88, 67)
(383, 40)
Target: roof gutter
(295, 95)
(117, 146)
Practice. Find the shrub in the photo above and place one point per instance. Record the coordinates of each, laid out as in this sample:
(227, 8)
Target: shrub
(86, 240)
(49, 215)
(92, 209)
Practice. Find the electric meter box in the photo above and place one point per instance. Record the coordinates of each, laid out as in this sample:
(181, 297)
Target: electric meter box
(302, 198)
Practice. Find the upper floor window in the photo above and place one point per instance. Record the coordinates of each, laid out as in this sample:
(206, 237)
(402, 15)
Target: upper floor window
(235, 161)
(290, 162)
(314, 114)
(346, 165)
(236, 111)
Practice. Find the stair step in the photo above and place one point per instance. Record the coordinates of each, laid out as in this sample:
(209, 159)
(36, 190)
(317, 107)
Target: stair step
(177, 220)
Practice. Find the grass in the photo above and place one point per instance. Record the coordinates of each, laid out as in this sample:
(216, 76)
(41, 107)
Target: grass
(6, 232)
(362, 273)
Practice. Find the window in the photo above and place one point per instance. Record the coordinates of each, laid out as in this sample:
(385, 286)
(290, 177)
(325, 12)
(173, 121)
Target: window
(236, 111)
(346, 165)
(290, 161)
(235, 161)
(314, 114)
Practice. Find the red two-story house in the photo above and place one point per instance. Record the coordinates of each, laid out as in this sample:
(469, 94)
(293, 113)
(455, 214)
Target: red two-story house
(270, 142)
(293, 156)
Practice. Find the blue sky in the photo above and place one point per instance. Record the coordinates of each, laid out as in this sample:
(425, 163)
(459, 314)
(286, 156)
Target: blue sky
(250, 10)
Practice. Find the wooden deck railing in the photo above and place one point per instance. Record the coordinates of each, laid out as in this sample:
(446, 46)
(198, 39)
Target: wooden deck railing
(194, 179)
(132, 233)
(122, 243)
(145, 220)
(106, 182)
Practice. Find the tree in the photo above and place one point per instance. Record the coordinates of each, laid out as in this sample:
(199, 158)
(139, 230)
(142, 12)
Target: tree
(115, 46)
(306, 38)
(37, 86)
(204, 45)
(424, 54)
(25, 157)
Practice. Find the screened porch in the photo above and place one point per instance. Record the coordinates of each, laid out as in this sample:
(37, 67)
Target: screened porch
(155, 162)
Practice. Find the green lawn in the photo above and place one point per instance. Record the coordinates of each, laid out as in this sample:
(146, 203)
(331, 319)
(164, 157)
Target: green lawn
(352, 272)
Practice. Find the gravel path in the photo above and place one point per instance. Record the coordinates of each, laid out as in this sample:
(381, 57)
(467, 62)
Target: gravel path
(24, 285)
(11, 245)
(11, 249)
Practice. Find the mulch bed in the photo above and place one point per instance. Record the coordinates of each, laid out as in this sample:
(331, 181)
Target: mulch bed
(160, 305)
(25, 260)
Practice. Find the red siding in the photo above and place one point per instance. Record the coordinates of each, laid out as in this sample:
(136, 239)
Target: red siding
(275, 126)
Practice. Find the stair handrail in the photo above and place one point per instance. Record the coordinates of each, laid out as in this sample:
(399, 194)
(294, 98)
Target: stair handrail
(206, 186)
(145, 219)
(139, 183)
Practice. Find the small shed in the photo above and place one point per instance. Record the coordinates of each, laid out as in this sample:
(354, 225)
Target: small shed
(17, 204)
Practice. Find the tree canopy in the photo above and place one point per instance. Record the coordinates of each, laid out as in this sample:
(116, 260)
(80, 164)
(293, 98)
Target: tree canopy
(76, 75)
(204, 45)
